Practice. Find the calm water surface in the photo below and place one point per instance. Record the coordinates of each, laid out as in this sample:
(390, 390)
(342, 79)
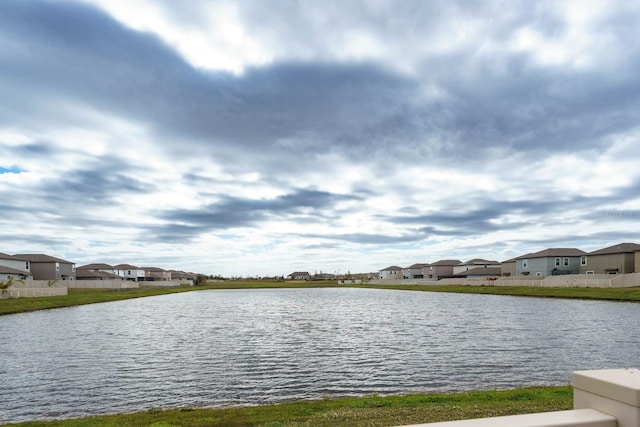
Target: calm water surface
(217, 348)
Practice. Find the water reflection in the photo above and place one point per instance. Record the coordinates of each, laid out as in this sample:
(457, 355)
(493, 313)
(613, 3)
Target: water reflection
(213, 348)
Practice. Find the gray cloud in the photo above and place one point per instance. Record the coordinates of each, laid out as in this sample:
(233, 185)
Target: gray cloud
(80, 54)
(232, 212)
(424, 97)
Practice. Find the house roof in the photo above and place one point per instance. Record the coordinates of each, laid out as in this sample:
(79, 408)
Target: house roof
(391, 268)
(89, 274)
(126, 267)
(446, 262)
(96, 266)
(177, 274)
(7, 256)
(554, 252)
(40, 258)
(479, 261)
(9, 270)
(482, 271)
(420, 265)
(299, 273)
(515, 259)
(617, 249)
(155, 269)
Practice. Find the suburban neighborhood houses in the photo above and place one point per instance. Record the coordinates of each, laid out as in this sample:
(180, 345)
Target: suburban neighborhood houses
(621, 258)
(45, 267)
(578, 268)
(30, 275)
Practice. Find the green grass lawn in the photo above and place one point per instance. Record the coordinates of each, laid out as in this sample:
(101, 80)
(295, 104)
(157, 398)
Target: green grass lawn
(352, 412)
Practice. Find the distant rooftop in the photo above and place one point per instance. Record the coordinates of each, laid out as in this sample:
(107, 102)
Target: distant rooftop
(617, 249)
(40, 258)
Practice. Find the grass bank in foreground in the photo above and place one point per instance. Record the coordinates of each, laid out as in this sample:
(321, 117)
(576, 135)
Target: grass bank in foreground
(351, 412)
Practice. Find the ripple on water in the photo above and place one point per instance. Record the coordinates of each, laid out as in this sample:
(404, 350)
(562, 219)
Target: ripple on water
(218, 348)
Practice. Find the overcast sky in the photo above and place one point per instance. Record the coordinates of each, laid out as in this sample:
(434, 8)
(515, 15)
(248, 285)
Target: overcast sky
(265, 137)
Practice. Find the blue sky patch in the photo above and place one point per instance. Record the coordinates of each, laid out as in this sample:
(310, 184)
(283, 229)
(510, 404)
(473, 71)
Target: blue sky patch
(10, 169)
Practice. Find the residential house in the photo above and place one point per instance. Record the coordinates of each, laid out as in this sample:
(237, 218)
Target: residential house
(391, 272)
(96, 272)
(550, 262)
(323, 276)
(45, 267)
(8, 273)
(299, 275)
(473, 264)
(129, 272)
(508, 267)
(16, 268)
(416, 271)
(481, 272)
(616, 259)
(156, 274)
(182, 275)
(442, 269)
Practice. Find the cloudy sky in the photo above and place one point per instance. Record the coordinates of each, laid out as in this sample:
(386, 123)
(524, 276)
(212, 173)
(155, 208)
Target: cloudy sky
(264, 137)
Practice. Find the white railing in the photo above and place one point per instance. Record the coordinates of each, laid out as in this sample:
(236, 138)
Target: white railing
(601, 398)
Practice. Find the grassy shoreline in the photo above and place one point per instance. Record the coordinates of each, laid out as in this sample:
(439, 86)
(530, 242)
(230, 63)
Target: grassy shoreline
(92, 296)
(352, 412)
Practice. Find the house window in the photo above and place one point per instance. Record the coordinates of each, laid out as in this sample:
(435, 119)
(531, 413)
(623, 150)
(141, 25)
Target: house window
(26, 265)
(129, 272)
(57, 266)
(557, 262)
(583, 260)
(525, 263)
(566, 262)
(538, 273)
(73, 267)
(590, 272)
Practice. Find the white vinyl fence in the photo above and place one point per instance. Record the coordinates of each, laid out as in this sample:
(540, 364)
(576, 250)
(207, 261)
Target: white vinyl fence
(567, 281)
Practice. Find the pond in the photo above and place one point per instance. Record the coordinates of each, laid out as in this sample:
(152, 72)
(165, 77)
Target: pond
(239, 347)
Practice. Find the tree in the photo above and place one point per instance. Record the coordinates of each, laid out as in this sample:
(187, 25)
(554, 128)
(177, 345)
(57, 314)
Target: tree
(4, 285)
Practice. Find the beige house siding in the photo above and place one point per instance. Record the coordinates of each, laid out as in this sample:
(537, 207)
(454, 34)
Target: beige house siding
(637, 263)
(620, 263)
(509, 268)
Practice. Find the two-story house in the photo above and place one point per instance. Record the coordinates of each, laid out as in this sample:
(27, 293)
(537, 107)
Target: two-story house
(10, 267)
(617, 259)
(299, 275)
(45, 267)
(441, 269)
(96, 272)
(473, 264)
(129, 272)
(156, 274)
(550, 262)
(416, 271)
(391, 272)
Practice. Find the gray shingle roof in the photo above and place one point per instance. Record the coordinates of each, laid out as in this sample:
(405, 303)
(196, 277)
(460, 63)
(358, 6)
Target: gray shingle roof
(393, 267)
(40, 258)
(447, 262)
(9, 270)
(482, 271)
(617, 249)
(96, 266)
